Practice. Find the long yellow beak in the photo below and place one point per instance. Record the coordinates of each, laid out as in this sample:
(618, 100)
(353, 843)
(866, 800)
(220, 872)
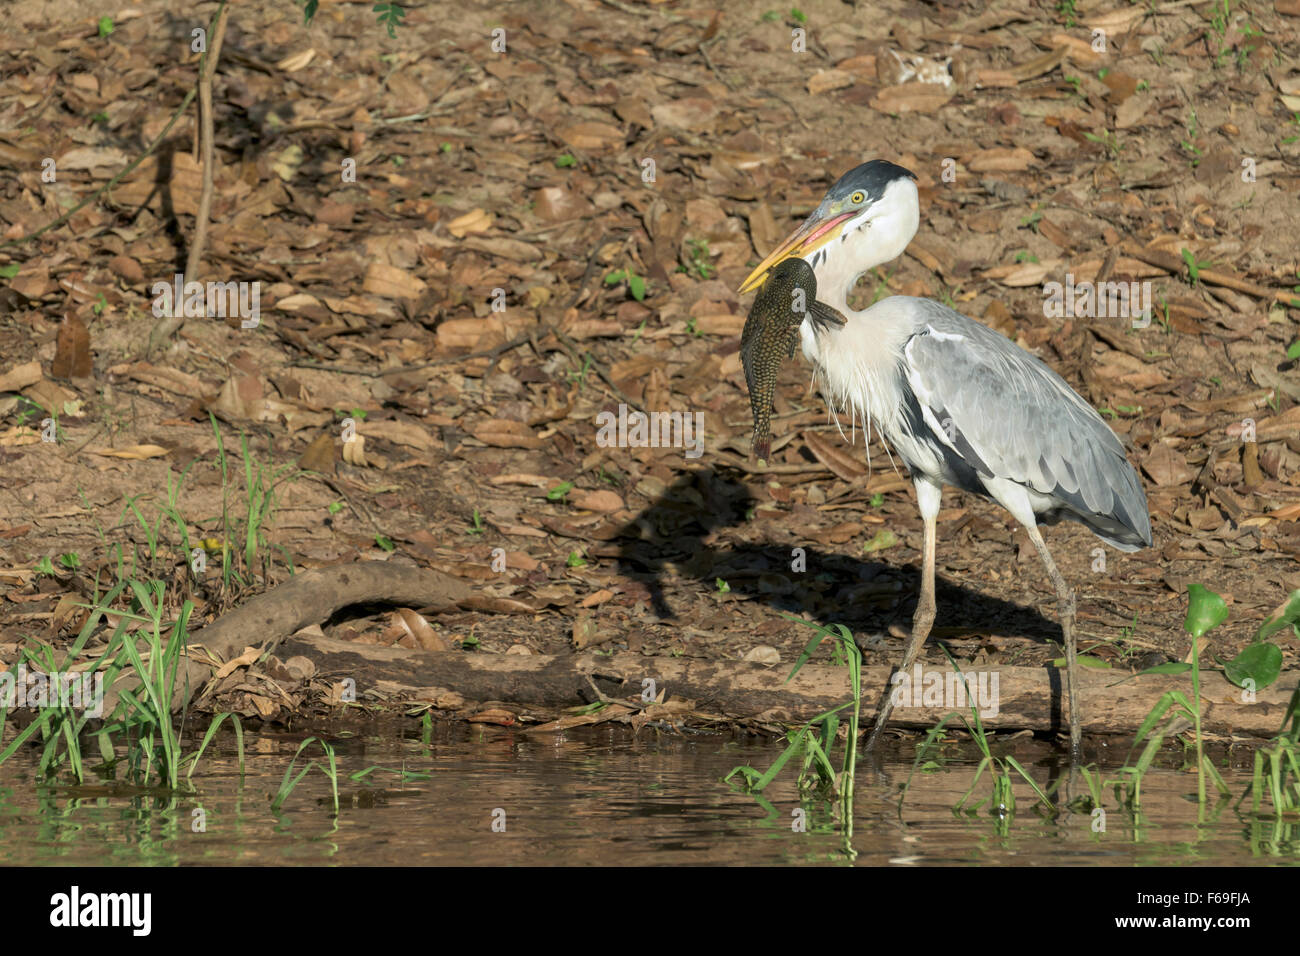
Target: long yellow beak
(804, 241)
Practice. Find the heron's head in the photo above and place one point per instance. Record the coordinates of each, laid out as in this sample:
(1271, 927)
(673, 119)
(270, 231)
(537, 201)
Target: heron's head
(867, 218)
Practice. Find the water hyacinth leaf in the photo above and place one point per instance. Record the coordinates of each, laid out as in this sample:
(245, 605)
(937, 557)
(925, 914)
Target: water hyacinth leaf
(1261, 663)
(1287, 613)
(1205, 610)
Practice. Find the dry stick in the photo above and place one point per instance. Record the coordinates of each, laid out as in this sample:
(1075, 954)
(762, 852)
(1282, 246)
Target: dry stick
(1175, 265)
(170, 325)
(207, 69)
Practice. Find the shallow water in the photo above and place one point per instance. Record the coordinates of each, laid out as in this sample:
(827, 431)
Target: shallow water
(605, 796)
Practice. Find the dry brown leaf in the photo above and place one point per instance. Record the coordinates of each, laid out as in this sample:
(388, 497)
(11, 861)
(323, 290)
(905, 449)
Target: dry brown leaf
(585, 633)
(603, 500)
(354, 451)
(296, 61)
(476, 220)
(600, 597)
(93, 158)
(520, 478)
(690, 113)
(132, 452)
(420, 630)
(503, 433)
(392, 283)
(399, 433)
(842, 462)
(559, 204)
(1286, 512)
(591, 136)
(911, 98)
(1002, 159)
(164, 377)
(825, 81)
(72, 350)
(320, 454)
(1166, 466)
(20, 376)
(19, 435)
(246, 659)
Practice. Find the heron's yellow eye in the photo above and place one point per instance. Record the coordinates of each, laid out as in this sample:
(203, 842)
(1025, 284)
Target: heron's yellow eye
(857, 198)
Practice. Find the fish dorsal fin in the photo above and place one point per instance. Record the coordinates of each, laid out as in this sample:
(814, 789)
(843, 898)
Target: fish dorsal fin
(824, 317)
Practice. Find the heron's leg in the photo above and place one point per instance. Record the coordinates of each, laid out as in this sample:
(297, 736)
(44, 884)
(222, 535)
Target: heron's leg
(1065, 602)
(928, 496)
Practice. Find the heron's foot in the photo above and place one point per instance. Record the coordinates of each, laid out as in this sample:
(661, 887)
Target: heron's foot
(1066, 607)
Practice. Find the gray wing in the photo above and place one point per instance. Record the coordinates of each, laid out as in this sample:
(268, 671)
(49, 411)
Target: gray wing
(1008, 415)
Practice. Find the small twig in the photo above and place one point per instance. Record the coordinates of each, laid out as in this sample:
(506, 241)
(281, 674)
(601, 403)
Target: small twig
(709, 63)
(360, 512)
(95, 434)
(735, 461)
(788, 105)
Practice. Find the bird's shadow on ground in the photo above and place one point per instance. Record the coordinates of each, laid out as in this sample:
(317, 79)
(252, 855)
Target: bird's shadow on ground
(675, 533)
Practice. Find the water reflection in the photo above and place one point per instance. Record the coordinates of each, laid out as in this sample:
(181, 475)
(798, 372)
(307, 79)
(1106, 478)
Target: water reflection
(490, 796)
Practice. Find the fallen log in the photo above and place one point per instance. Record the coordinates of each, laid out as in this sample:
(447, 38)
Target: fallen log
(1026, 697)
(309, 597)
(1010, 698)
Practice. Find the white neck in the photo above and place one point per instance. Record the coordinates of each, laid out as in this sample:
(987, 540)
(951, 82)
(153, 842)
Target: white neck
(888, 227)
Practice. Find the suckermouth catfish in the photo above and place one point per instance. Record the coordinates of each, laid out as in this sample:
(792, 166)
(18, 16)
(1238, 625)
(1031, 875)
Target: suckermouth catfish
(771, 332)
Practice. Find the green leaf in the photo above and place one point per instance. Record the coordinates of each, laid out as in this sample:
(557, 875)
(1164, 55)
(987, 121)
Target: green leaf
(1293, 352)
(1287, 613)
(722, 586)
(884, 539)
(1205, 610)
(9, 271)
(1261, 663)
(105, 26)
(559, 491)
(564, 161)
(1084, 661)
(385, 542)
(1172, 667)
(637, 286)
(390, 15)
(614, 278)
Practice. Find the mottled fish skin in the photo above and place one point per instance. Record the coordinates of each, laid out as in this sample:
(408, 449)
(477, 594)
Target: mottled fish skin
(771, 333)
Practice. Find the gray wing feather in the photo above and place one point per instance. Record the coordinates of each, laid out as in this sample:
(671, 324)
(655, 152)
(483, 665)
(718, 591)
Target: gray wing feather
(1012, 417)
